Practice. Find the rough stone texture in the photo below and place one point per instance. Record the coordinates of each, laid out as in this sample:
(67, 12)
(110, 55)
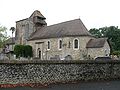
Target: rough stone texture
(24, 28)
(99, 52)
(52, 72)
(79, 54)
(54, 50)
(32, 29)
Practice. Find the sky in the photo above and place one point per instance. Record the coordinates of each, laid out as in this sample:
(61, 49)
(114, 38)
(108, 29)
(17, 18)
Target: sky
(93, 13)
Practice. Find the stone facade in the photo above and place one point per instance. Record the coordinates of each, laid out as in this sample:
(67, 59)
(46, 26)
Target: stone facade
(99, 52)
(25, 27)
(54, 50)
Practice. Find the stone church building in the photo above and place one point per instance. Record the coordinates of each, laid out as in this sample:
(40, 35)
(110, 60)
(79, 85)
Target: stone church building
(66, 40)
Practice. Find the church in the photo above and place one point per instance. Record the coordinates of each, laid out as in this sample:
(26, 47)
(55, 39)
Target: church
(69, 40)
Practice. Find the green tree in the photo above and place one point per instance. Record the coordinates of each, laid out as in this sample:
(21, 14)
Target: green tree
(112, 33)
(3, 36)
(95, 32)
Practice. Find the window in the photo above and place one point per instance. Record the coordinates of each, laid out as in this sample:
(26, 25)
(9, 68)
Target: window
(69, 44)
(48, 45)
(60, 44)
(76, 44)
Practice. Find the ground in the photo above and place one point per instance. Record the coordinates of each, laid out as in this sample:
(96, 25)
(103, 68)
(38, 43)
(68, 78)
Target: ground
(106, 85)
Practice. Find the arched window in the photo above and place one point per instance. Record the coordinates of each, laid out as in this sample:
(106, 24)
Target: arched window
(48, 45)
(76, 44)
(60, 44)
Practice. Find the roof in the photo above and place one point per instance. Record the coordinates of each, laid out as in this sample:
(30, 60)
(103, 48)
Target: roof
(10, 41)
(68, 28)
(96, 43)
(37, 13)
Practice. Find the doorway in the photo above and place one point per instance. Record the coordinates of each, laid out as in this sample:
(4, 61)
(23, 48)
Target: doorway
(39, 53)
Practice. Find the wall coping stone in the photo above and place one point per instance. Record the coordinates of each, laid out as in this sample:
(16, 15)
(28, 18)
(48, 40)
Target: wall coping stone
(59, 62)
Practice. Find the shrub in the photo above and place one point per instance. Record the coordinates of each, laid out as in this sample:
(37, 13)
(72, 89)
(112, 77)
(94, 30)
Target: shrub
(18, 50)
(23, 51)
(28, 51)
(117, 53)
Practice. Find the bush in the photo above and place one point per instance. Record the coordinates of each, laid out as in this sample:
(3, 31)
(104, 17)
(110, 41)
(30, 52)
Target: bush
(28, 51)
(117, 53)
(18, 50)
(23, 51)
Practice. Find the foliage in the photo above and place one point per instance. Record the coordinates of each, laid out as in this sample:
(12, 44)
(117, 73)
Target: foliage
(3, 36)
(12, 29)
(112, 33)
(27, 51)
(18, 50)
(23, 51)
(116, 53)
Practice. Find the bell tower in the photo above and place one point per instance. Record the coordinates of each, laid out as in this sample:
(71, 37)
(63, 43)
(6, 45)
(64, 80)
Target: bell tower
(38, 19)
(26, 27)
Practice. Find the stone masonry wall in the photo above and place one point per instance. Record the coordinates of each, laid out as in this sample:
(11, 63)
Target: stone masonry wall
(66, 50)
(43, 72)
(99, 52)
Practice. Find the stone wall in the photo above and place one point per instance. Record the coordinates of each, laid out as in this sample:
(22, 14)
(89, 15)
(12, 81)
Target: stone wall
(24, 28)
(99, 52)
(66, 50)
(15, 72)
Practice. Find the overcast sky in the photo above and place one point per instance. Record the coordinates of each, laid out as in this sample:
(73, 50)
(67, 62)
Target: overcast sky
(93, 13)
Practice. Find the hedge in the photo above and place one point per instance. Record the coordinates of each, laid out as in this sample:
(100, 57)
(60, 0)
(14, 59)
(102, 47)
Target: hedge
(23, 51)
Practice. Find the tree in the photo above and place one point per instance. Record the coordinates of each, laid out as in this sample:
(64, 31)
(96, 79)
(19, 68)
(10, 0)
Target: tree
(95, 32)
(13, 30)
(3, 35)
(112, 33)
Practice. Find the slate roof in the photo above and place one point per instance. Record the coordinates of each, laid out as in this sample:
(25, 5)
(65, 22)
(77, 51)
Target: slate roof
(68, 28)
(96, 43)
(10, 41)
(37, 13)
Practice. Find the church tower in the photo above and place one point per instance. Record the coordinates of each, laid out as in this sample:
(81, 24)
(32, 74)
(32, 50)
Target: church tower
(25, 27)
(38, 20)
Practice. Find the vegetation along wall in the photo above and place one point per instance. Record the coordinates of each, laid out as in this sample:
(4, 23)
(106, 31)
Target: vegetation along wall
(15, 72)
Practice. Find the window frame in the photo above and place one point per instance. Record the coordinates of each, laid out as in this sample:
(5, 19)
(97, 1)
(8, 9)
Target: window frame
(74, 44)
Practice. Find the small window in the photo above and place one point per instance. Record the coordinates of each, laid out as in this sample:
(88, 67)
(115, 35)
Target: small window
(60, 44)
(76, 44)
(69, 44)
(48, 45)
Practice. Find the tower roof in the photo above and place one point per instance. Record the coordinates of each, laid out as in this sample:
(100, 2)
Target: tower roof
(37, 13)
